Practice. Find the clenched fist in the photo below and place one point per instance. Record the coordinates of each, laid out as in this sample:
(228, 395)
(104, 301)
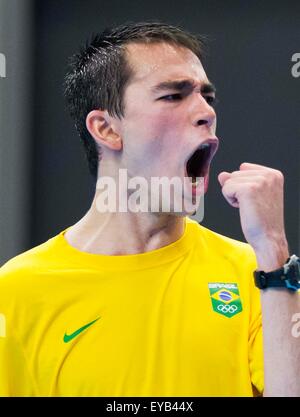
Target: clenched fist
(258, 193)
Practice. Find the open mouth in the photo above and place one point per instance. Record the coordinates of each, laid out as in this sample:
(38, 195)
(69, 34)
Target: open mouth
(198, 163)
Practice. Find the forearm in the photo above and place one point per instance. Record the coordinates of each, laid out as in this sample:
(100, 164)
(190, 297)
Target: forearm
(281, 348)
(258, 193)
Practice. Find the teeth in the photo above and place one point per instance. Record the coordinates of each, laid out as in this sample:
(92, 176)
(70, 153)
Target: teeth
(195, 183)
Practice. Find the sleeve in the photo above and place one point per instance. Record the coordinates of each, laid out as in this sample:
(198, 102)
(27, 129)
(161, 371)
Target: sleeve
(256, 357)
(255, 341)
(15, 379)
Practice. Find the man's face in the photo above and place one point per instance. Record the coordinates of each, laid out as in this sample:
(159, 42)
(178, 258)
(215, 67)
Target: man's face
(164, 126)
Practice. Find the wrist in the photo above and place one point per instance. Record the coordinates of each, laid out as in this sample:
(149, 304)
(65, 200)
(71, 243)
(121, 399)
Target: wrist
(287, 276)
(271, 254)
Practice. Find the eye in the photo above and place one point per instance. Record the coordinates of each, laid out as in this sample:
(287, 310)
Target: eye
(211, 100)
(172, 97)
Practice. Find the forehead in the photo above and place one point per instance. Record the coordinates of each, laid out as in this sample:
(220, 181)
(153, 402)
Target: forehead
(155, 62)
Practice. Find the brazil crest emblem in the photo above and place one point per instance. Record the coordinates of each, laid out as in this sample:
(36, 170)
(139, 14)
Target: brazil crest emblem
(225, 298)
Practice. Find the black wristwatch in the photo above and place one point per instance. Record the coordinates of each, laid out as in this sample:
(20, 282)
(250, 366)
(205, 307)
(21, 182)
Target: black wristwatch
(288, 276)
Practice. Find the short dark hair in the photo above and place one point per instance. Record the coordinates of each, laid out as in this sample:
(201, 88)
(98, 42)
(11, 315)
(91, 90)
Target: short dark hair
(98, 74)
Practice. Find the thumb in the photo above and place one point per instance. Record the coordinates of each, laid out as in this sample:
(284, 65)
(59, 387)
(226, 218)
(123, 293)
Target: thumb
(223, 176)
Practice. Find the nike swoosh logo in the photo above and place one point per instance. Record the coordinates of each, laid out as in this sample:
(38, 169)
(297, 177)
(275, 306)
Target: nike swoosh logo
(69, 337)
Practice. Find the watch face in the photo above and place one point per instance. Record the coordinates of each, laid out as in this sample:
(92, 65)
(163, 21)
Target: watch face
(292, 263)
(292, 272)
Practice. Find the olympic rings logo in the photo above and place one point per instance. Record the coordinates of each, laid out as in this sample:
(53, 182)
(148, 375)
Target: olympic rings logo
(227, 308)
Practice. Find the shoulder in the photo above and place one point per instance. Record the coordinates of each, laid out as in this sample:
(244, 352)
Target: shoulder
(24, 267)
(219, 246)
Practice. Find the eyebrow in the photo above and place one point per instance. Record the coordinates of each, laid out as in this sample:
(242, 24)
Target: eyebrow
(183, 85)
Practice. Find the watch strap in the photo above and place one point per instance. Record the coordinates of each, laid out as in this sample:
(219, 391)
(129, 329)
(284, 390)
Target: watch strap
(270, 279)
(288, 276)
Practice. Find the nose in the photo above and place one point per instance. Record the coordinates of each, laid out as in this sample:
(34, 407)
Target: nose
(203, 114)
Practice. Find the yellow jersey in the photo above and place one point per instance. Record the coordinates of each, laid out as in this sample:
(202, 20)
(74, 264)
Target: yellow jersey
(182, 320)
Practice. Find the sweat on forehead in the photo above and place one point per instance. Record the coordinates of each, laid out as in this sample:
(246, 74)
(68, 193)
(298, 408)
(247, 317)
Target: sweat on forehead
(146, 59)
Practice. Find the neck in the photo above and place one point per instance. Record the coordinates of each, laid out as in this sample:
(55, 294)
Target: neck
(124, 233)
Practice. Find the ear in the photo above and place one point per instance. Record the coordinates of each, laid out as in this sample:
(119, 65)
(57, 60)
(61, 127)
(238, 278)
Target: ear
(99, 124)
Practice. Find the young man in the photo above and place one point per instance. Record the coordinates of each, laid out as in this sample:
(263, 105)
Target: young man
(127, 303)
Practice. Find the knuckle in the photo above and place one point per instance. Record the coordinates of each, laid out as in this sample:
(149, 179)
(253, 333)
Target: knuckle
(279, 176)
(244, 165)
(260, 184)
(255, 187)
(276, 177)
